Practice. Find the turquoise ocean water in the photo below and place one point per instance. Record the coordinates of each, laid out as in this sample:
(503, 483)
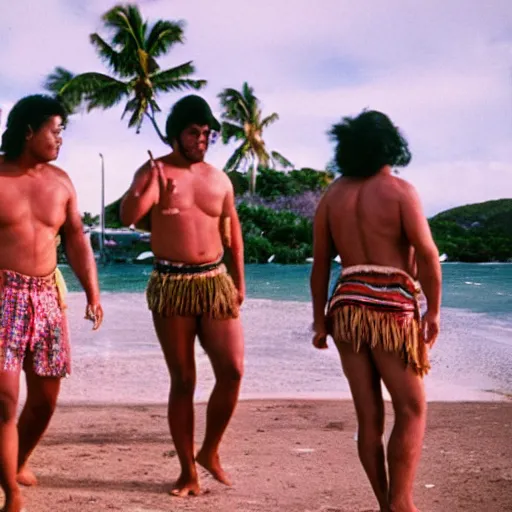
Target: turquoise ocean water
(481, 288)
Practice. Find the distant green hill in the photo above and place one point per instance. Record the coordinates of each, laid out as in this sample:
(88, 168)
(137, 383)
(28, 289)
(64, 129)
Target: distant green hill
(475, 232)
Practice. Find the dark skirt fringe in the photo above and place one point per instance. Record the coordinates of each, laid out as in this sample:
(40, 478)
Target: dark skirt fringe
(211, 293)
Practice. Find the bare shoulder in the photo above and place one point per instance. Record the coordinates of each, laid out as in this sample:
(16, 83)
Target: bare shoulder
(56, 173)
(146, 166)
(213, 171)
(217, 176)
(406, 189)
(336, 184)
(333, 189)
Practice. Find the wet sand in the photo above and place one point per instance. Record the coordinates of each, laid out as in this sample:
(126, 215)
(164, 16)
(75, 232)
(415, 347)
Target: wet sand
(283, 455)
(472, 357)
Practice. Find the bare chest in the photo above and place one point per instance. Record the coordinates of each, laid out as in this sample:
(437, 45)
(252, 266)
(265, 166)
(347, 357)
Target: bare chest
(191, 192)
(27, 200)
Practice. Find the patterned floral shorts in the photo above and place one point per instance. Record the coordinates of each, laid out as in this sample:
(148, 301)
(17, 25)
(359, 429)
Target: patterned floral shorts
(32, 320)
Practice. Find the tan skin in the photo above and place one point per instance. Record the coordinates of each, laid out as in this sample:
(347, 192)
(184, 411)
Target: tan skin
(188, 201)
(37, 201)
(379, 221)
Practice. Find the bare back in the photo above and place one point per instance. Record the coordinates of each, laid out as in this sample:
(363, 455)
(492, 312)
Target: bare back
(193, 234)
(33, 208)
(365, 222)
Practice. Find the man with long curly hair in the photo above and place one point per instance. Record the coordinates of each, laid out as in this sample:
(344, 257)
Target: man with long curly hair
(374, 221)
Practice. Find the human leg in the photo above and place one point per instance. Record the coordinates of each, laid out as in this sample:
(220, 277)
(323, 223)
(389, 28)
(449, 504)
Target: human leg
(365, 386)
(223, 342)
(177, 335)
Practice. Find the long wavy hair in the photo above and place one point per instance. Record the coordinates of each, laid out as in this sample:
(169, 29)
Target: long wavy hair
(366, 143)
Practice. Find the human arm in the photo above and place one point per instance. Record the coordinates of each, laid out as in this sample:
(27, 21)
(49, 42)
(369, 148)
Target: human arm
(141, 196)
(417, 231)
(231, 233)
(320, 272)
(81, 258)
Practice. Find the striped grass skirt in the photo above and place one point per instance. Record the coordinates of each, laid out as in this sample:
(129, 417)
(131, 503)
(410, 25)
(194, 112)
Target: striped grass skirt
(379, 307)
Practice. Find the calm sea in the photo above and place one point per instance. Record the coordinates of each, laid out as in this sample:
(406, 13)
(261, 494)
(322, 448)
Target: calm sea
(481, 288)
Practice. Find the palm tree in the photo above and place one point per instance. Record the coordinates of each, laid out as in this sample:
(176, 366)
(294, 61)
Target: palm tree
(243, 122)
(131, 55)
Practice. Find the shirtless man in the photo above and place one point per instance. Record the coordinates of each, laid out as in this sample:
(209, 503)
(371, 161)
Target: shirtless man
(193, 219)
(37, 202)
(375, 222)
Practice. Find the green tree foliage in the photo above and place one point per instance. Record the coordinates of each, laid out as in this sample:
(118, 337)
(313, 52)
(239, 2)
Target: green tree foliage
(90, 220)
(131, 55)
(475, 233)
(266, 232)
(243, 122)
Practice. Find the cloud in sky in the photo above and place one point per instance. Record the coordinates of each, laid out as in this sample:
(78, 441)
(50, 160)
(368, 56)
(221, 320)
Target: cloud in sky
(441, 70)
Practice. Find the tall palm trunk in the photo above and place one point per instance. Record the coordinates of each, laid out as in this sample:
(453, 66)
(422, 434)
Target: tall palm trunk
(162, 137)
(253, 175)
(243, 122)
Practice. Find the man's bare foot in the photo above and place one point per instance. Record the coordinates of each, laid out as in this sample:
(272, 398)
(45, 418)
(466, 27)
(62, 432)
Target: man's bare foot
(26, 477)
(212, 464)
(186, 486)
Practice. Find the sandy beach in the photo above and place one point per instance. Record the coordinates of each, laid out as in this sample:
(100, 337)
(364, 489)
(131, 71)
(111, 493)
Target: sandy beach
(471, 361)
(282, 455)
(291, 444)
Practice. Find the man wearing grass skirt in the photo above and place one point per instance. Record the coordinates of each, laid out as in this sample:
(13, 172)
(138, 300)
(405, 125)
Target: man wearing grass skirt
(197, 285)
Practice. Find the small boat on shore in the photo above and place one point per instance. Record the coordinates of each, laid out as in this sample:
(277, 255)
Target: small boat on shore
(145, 256)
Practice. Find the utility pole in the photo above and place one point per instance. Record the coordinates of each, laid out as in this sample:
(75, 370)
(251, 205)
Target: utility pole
(102, 215)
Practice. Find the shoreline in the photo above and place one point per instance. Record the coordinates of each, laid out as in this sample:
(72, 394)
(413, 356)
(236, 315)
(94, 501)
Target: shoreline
(305, 262)
(123, 363)
(506, 399)
(489, 397)
(494, 397)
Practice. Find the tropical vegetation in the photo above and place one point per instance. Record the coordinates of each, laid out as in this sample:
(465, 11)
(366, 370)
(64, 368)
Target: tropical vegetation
(243, 122)
(130, 53)
(276, 208)
(475, 233)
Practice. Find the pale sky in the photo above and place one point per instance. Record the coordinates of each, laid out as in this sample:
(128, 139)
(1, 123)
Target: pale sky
(441, 69)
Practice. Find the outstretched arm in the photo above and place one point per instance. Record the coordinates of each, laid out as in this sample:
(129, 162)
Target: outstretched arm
(81, 258)
(231, 232)
(141, 196)
(320, 273)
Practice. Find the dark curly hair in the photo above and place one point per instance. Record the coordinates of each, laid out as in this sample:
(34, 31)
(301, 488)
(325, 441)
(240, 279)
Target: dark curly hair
(30, 112)
(366, 143)
(191, 109)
